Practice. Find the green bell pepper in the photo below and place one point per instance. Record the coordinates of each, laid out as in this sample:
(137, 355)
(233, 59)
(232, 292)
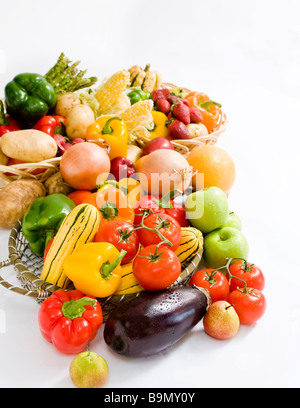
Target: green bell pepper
(43, 219)
(29, 97)
(138, 95)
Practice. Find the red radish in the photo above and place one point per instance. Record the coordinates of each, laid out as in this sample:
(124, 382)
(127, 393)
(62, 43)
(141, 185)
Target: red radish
(156, 144)
(77, 140)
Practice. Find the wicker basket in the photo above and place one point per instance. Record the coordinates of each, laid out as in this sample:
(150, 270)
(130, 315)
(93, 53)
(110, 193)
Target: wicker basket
(27, 268)
(184, 146)
(30, 170)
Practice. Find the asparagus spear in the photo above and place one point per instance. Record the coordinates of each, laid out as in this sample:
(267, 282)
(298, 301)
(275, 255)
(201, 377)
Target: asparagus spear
(65, 77)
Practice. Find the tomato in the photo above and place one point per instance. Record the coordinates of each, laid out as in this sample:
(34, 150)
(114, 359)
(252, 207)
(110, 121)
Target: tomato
(214, 281)
(250, 304)
(166, 225)
(249, 273)
(122, 235)
(156, 267)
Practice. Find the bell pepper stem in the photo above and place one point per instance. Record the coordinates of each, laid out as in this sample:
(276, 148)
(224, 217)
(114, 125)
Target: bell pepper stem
(109, 211)
(75, 308)
(107, 129)
(3, 120)
(107, 268)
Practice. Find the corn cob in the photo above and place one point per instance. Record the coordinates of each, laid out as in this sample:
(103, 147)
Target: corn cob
(144, 78)
(138, 119)
(158, 83)
(109, 93)
(137, 75)
(137, 113)
(149, 81)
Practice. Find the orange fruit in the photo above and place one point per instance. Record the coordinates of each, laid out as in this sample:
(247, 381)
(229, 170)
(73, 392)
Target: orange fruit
(214, 166)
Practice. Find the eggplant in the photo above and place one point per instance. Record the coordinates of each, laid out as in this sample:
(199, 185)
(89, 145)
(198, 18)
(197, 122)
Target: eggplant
(153, 321)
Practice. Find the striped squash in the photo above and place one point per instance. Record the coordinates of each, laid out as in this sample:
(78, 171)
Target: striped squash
(77, 228)
(128, 282)
(191, 244)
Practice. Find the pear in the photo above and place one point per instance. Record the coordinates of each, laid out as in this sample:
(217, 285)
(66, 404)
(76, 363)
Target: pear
(88, 370)
(221, 321)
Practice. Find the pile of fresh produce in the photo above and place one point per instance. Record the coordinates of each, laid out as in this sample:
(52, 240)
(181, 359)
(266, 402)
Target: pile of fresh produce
(124, 212)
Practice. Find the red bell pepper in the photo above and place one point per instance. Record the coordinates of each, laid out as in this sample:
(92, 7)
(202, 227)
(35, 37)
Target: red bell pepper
(164, 205)
(69, 320)
(7, 124)
(52, 125)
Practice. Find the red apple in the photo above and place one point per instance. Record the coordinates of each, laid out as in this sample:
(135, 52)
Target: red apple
(221, 321)
(157, 144)
(121, 168)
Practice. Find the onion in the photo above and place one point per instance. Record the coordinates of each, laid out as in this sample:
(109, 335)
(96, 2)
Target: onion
(84, 165)
(162, 171)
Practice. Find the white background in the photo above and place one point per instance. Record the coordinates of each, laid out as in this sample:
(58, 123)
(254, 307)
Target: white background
(244, 54)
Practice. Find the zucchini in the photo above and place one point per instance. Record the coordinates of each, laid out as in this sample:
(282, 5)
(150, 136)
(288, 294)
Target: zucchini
(191, 243)
(77, 228)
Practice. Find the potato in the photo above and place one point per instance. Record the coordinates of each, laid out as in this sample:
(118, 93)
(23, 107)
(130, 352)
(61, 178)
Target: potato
(197, 130)
(28, 145)
(78, 120)
(56, 184)
(65, 103)
(16, 198)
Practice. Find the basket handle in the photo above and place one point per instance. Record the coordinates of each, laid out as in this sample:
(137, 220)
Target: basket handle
(13, 288)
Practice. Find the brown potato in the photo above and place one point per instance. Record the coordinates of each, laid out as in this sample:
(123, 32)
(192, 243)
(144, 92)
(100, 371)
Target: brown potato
(65, 103)
(78, 120)
(16, 198)
(56, 184)
(29, 145)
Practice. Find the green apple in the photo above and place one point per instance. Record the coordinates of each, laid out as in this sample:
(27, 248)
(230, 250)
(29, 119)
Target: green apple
(88, 370)
(233, 221)
(222, 244)
(207, 209)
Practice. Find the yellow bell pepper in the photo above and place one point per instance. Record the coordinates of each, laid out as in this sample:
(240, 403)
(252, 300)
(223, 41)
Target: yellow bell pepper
(94, 268)
(111, 129)
(159, 129)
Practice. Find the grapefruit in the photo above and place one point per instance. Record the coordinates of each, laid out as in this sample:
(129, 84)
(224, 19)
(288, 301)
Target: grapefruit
(215, 167)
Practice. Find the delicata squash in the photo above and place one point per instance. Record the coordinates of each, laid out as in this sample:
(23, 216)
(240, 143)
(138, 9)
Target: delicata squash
(77, 228)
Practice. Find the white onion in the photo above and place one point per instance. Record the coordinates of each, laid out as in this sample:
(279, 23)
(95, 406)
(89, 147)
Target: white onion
(162, 171)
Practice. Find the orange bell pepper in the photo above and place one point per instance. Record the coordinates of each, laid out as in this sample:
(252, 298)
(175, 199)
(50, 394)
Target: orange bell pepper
(112, 204)
(211, 111)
